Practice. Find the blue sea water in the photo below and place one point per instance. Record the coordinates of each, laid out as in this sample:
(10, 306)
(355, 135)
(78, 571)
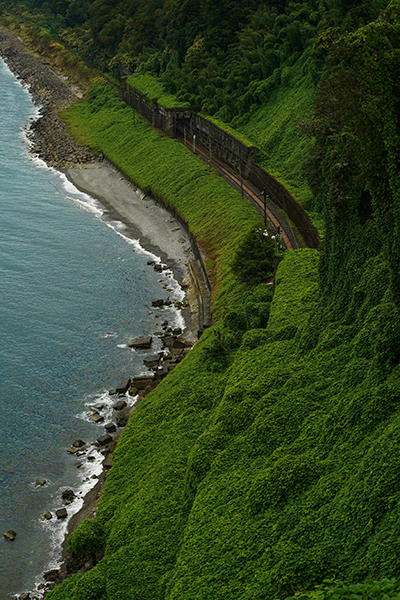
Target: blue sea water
(72, 294)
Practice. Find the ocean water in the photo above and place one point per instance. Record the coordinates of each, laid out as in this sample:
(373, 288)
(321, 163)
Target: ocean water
(74, 288)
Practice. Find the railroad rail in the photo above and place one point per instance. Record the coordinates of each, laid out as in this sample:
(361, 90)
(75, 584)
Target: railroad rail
(272, 219)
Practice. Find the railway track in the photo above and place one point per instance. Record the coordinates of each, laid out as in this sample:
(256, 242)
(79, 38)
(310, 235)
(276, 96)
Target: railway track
(275, 222)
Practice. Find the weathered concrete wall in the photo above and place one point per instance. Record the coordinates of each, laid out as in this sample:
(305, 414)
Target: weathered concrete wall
(186, 122)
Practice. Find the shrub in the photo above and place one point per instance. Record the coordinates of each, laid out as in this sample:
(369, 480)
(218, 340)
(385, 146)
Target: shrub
(89, 536)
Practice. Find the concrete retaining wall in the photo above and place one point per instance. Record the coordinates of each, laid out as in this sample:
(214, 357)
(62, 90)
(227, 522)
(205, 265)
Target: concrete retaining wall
(186, 122)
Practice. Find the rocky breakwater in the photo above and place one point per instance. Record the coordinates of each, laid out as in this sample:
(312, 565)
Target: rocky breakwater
(52, 92)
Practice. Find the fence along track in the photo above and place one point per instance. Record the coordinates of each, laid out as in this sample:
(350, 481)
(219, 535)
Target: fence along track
(232, 157)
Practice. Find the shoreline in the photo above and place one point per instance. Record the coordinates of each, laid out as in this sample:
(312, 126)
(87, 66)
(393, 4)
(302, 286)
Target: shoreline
(156, 229)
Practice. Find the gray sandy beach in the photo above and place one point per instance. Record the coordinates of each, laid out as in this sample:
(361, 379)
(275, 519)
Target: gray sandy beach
(147, 221)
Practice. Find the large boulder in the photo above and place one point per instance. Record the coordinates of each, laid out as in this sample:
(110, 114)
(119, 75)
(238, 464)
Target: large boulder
(78, 443)
(10, 535)
(122, 418)
(61, 513)
(68, 495)
(157, 303)
(105, 439)
(52, 575)
(97, 417)
(142, 381)
(141, 342)
(153, 360)
(107, 463)
(119, 405)
(123, 385)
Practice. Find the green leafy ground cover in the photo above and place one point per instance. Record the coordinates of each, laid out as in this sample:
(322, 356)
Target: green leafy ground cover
(153, 87)
(276, 130)
(267, 463)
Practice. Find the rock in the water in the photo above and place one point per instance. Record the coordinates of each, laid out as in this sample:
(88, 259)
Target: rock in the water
(51, 575)
(157, 302)
(141, 342)
(48, 515)
(73, 450)
(99, 406)
(61, 513)
(110, 427)
(10, 535)
(119, 405)
(97, 418)
(78, 443)
(157, 267)
(24, 596)
(68, 495)
(123, 385)
(40, 481)
(105, 439)
(152, 360)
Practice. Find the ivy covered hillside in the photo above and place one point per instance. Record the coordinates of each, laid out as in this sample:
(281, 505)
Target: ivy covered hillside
(266, 466)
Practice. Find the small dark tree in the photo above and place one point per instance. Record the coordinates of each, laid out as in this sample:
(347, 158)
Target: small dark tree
(254, 257)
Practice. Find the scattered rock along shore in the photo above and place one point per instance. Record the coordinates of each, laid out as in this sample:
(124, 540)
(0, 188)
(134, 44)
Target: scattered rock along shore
(51, 142)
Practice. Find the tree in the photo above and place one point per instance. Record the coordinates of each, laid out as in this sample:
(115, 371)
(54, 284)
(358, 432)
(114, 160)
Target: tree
(254, 257)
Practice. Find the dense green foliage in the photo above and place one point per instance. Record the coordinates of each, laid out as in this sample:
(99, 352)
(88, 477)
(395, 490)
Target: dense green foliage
(337, 590)
(88, 537)
(253, 258)
(267, 462)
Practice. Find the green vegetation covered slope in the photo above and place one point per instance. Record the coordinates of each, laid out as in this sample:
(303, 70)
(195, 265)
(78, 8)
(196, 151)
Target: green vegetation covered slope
(268, 461)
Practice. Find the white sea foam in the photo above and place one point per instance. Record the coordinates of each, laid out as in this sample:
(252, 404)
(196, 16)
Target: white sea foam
(90, 208)
(56, 529)
(87, 476)
(80, 198)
